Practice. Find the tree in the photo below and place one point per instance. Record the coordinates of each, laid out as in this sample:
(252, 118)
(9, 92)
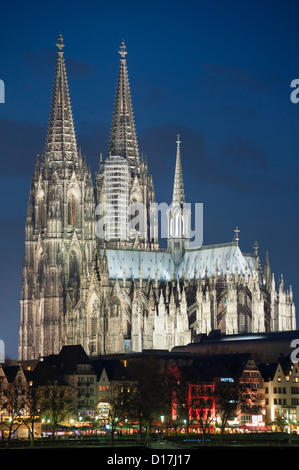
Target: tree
(280, 423)
(168, 378)
(13, 404)
(183, 402)
(120, 400)
(150, 398)
(33, 410)
(226, 395)
(203, 405)
(284, 422)
(58, 403)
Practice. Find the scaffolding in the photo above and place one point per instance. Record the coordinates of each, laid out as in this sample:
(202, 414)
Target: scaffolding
(116, 181)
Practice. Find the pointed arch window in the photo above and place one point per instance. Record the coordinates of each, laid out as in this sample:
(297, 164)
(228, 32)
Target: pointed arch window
(41, 211)
(73, 268)
(94, 318)
(71, 210)
(40, 267)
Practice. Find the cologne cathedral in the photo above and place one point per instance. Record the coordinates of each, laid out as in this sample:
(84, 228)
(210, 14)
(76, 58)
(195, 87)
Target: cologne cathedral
(120, 292)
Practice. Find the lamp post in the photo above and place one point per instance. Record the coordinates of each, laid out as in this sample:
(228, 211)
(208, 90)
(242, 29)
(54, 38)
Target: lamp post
(162, 421)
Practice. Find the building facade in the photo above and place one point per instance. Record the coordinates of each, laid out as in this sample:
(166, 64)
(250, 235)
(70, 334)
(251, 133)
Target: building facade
(281, 381)
(90, 279)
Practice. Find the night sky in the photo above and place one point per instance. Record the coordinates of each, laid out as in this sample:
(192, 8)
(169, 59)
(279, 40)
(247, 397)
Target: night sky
(218, 73)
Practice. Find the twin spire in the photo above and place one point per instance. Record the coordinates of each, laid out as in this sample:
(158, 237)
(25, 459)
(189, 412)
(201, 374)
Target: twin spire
(123, 139)
(61, 145)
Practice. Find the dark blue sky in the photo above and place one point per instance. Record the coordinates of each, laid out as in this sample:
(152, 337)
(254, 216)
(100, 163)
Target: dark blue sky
(218, 73)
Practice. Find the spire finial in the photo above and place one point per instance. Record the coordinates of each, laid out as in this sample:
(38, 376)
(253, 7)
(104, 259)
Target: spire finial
(178, 141)
(60, 44)
(237, 231)
(122, 50)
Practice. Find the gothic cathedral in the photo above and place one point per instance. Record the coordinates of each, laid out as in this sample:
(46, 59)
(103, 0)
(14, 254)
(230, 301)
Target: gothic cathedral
(98, 277)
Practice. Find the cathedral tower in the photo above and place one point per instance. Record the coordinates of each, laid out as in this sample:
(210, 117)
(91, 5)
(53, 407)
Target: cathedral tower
(141, 195)
(59, 230)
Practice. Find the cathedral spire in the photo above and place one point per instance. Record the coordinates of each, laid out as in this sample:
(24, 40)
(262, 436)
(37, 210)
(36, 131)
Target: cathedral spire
(178, 197)
(61, 146)
(123, 139)
(179, 214)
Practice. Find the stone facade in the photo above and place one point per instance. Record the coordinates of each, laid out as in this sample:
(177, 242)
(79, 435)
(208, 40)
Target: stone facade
(117, 295)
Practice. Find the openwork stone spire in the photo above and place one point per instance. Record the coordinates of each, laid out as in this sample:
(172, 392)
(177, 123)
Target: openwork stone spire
(178, 197)
(123, 140)
(61, 146)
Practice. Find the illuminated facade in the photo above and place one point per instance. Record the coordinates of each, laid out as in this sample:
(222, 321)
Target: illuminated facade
(121, 292)
(202, 405)
(251, 412)
(281, 382)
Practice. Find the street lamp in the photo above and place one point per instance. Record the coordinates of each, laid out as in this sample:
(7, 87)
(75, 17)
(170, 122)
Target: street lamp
(185, 427)
(162, 421)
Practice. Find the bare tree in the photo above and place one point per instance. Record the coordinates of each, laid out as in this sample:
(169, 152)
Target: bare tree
(227, 398)
(58, 402)
(204, 410)
(33, 403)
(13, 405)
(120, 401)
(183, 401)
(149, 393)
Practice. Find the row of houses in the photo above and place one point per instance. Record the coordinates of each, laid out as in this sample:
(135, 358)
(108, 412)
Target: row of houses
(270, 391)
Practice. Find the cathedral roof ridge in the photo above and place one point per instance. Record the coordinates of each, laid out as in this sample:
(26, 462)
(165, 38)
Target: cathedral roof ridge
(216, 245)
(138, 250)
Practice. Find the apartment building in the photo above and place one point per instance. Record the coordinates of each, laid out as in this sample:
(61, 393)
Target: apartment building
(281, 381)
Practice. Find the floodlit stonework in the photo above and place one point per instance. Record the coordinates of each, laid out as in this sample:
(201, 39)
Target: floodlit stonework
(122, 292)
